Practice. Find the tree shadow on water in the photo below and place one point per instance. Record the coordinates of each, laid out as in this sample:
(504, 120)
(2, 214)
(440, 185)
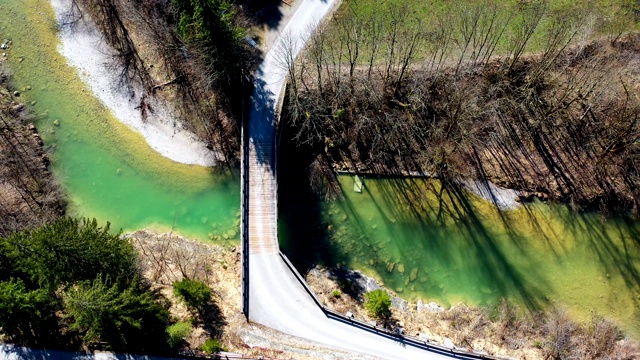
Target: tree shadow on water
(616, 243)
(409, 202)
(494, 263)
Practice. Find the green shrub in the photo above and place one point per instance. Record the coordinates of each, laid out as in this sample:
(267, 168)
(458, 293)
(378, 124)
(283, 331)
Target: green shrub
(378, 304)
(195, 294)
(212, 346)
(177, 333)
(336, 293)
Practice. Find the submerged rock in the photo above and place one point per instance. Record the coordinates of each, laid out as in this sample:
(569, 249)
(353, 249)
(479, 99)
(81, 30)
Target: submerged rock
(390, 266)
(414, 274)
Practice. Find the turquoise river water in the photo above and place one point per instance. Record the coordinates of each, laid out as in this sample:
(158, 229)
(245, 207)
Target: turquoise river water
(418, 238)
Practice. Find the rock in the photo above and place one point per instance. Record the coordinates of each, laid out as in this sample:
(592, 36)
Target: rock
(434, 307)
(423, 337)
(420, 305)
(315, 272)
(448, 343)
(370, 284)
(5, 45)
(390, 266)
(526, 197)
(38, 139)
(542, 196)
(16, 93)
(349, 314)
(398, 303)
(414, 274)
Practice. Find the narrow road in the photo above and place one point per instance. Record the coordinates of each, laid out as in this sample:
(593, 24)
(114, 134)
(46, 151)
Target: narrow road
(276, 298)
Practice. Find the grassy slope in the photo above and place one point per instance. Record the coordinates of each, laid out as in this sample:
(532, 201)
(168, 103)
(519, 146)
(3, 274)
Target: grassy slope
(606, 16)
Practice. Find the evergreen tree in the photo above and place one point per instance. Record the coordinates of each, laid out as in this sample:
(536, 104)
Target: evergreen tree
(72, 278)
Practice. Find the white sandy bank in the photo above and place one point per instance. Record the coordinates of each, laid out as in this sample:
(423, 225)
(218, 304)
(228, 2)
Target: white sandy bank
(505, 199)
(85, 50)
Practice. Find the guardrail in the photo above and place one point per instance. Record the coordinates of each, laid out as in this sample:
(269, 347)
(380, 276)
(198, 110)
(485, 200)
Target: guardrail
(244, 214)
(404, 339)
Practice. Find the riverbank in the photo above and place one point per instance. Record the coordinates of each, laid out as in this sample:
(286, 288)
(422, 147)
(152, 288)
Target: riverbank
(106, 169)
(167, 257)
(504, 199)
(29, 194)
(503, 330)
(85, 49)
(577, 149)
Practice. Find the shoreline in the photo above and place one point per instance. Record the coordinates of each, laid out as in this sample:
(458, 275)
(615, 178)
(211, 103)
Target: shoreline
(85, 50)
(502, 198)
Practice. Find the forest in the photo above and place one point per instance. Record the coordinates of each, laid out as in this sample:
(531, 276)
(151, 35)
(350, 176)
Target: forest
(531, 98)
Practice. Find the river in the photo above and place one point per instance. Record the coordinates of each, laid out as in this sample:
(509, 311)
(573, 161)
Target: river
(419, 240)
(107, 170)
(432, 243)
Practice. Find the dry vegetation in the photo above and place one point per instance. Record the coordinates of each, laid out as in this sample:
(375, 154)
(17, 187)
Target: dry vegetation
(391, 96)
(501, 330)
(168, 258)
(29, 196)
(204, 80)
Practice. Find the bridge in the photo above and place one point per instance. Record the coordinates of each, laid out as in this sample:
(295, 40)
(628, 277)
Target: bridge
(273, 293)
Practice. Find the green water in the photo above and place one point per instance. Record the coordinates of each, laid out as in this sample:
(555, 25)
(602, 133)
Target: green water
(108, 171)
(418, 239)
(429, 243)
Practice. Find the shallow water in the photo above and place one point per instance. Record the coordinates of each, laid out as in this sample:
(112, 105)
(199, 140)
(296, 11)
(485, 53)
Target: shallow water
(419, 240)
(107, 170)
(426, 242)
